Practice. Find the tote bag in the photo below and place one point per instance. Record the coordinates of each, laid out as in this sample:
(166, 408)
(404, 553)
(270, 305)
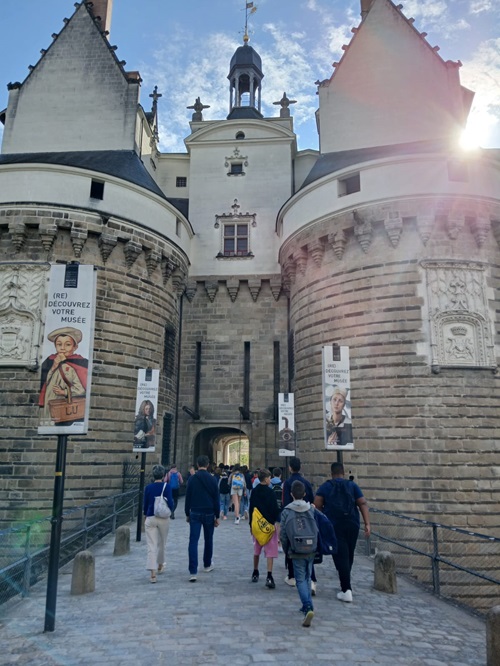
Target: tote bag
(262, 529)
(161, 506)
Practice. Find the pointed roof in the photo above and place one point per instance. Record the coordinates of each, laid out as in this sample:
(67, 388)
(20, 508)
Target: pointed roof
(390, 86)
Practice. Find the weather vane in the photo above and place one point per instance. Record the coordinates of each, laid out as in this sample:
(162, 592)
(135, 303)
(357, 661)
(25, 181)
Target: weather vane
(250, 8)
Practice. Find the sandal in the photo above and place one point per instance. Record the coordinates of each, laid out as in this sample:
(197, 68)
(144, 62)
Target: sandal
(161, 568)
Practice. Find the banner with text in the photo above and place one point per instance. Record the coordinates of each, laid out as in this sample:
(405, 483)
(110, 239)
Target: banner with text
(67, 350)
(337, 398)
(286, 424)
(146, 406)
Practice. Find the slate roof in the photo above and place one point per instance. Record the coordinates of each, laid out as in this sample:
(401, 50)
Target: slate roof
(123, 164)
(331, 162)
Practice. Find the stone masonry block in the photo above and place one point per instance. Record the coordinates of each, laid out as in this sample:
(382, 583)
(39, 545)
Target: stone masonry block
(385, 573)
(83, 579)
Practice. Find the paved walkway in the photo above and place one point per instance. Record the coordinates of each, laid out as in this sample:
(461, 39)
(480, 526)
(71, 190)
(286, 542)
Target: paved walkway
(223, 618)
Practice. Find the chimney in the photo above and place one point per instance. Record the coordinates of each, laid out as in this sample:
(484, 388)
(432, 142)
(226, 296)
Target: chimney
(103, 8)
(365, 7)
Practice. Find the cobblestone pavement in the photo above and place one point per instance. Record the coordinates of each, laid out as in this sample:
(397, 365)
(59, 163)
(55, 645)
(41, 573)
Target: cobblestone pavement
(223, 618)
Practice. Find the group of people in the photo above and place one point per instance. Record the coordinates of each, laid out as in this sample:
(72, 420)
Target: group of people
(278, 507)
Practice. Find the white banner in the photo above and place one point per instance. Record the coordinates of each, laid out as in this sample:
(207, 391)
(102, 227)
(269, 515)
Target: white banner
(67, 350)
(146, 406)
(286, 424)
(337, 398)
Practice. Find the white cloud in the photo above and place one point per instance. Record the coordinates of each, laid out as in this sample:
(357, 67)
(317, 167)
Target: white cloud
(479, 6)
(427, 10)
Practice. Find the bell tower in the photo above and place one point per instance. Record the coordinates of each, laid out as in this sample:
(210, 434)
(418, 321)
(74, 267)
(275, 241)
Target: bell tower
(245, 83)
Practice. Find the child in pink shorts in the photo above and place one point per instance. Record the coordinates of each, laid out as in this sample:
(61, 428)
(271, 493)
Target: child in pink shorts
(264, 499)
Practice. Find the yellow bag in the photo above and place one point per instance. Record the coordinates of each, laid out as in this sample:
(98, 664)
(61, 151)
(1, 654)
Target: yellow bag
(262, 529)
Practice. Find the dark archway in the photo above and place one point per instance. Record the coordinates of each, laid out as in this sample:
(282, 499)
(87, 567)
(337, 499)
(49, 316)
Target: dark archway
(214, 442)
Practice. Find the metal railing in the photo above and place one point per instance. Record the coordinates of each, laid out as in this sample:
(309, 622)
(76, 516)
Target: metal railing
(454, 563)
(24, 549)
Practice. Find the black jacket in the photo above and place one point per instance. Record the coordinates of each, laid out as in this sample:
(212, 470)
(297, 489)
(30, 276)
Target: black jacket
(264, 499)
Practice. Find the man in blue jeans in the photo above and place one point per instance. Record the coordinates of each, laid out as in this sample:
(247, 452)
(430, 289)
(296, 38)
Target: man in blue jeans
(202, 509)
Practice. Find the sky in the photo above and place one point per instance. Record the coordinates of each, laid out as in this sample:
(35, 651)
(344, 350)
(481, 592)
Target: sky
(185, 46)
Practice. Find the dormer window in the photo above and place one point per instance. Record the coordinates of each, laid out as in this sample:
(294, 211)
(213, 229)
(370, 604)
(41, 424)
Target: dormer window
(240, 136)
(349, 185)
(235, 233)
(236, 163)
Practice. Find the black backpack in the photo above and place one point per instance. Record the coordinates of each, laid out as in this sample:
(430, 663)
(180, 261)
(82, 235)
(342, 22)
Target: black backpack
(340, 504)
(224, 488)
(278, 493)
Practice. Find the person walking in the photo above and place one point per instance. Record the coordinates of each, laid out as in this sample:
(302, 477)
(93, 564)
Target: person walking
(224, 493)
(238, 489)
(263, 499)
(295, 475)
(174, 478)
(299, 525)
(156, 528)
(342, 501)
(202, 507)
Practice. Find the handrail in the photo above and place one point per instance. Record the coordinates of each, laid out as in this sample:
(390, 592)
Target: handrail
(24, 561)
(409, 556)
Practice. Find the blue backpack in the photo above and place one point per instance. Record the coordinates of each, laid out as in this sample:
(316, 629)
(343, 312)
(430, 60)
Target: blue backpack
(174, 480)
(327, 541)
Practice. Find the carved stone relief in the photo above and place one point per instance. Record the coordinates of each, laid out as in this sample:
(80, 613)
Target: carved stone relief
(460, 321)
(22, 290)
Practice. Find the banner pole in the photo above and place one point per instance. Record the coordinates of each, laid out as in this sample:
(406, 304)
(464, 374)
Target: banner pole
(141, 493)
(55, 536)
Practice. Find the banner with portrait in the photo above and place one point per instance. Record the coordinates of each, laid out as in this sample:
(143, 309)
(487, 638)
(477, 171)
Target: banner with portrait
(67, 350)
(146, 407)
(286, 424)
(337, 398)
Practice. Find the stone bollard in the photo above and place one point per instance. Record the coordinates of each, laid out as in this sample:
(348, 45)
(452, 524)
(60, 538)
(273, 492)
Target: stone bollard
(385, 572)
(493, 637)
(83, 579)
(122, 540)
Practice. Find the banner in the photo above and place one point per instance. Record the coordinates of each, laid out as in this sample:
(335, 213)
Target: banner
(337, 398)
(286, 424)
(67, 350)
(146, 406)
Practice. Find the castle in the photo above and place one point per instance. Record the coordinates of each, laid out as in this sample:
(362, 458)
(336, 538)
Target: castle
(229, 268)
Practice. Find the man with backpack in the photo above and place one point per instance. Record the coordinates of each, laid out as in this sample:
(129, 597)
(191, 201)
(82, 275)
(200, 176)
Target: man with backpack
(174, 478)
(295, 475)
(342, 501)
(299, 536)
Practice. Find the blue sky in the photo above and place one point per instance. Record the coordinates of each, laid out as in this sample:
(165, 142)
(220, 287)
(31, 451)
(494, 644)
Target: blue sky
(185, 47)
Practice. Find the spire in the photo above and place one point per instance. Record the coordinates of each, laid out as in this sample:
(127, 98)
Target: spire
(250, 8)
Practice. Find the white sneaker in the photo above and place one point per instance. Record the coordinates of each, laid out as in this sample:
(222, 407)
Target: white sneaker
(290, 581)
(345, 596)
(236, 521)
(209, 569)
(280, 549)
(313, 588)
(192, 578)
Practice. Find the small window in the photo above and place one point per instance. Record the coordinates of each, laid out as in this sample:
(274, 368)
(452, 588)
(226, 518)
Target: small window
(458, 171)
(181, 181)
(240, 136)
(236, 168)
(349, 185)
(235, 240)
(97, 189)
(177, 227)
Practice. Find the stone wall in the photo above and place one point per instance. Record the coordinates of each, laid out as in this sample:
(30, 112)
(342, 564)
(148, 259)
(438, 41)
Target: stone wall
(223, 315)
(139, 278)
(426, 435)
